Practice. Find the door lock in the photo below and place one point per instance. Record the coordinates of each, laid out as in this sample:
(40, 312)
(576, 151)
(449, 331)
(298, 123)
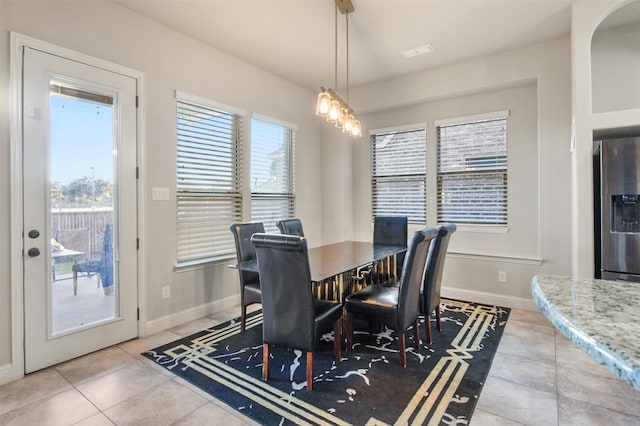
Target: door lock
(34, 234)
(33, 252)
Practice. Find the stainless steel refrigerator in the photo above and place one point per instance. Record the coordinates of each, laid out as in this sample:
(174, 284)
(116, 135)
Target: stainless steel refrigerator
(617, 208)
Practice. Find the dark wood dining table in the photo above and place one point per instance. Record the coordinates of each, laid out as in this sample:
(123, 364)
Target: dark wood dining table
(338, 269)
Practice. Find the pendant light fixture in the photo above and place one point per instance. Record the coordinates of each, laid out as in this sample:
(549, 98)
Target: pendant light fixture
(330, 104)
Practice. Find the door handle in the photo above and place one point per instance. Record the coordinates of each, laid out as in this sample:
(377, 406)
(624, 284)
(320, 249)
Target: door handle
(33, 252)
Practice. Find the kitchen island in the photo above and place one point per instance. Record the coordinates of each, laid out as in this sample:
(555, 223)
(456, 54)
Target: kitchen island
(601, 317)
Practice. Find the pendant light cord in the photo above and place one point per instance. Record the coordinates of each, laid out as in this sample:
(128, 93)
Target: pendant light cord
(347, 20)
(335, 48)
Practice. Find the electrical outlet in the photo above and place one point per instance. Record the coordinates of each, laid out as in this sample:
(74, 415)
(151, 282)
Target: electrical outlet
(166, 292)
(502, 276)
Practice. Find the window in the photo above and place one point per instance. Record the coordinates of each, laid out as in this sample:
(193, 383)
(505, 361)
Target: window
(208, 191)
(272, 185)
(472, 170)
(399, 173)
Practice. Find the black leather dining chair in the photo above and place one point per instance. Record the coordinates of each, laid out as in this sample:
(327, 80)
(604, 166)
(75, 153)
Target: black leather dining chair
(430, 300)
(245, 252)
(396, 307)
(290, 227)
(291, 316)
(390, 230)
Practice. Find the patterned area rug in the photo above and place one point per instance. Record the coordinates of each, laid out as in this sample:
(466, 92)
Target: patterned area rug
(440, 385)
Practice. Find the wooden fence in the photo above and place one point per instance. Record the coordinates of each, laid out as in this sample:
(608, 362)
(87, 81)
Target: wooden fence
(92, 220)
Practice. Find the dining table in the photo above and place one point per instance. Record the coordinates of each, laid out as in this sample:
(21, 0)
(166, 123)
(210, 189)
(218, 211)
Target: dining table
(339, 269)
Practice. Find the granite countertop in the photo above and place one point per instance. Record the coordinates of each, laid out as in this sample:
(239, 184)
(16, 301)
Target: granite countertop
(602, 317)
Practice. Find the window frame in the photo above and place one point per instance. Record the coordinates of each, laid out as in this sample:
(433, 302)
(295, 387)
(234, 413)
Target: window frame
(289, 196)
(479, 226)
(418, 178)
(219, 235)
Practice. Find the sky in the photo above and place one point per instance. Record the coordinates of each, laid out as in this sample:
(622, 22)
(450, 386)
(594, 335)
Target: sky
(81, 138)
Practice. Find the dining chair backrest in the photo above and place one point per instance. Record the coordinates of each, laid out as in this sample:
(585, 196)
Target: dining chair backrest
(245, 252)
(391, 230)
(291, 227)
(287, 302)
(411, 278)
(435, 265)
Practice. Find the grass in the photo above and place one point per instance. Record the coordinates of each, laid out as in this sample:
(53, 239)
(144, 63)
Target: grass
(63, 268)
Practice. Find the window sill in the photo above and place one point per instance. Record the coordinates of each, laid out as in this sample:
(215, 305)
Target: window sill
(203, 263)
(489, 229)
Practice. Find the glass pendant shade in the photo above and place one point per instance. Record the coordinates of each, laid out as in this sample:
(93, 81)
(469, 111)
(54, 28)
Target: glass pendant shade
(341, 118)
(348, 124)
(356, 129)
(324, 104)
(334, 111)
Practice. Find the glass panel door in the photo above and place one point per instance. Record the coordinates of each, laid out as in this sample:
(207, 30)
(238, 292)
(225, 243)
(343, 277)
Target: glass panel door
(82, 206)
(79, 208)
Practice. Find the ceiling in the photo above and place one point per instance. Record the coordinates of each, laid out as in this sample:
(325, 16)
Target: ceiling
(294, 39)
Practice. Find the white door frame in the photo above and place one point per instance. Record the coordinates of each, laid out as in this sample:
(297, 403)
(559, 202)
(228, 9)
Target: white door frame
(17, 42)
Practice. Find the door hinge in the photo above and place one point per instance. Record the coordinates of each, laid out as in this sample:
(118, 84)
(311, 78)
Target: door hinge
(138, 314)
(137, 172)
(136, 101)
(137, 243)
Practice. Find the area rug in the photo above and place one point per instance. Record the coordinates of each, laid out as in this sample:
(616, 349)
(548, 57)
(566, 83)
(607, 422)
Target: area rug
(440, 385)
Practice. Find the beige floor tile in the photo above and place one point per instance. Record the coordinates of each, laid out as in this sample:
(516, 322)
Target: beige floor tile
(534, 331)
(210, 414)
(135, 347)
(160, 406)
(524, 371)
(33, 387)
(578, 413)
(65, 408)
(529, 345)
(572, 357)
(534, 317)
(113, 388)
(227, 314)
(95, 364)
(98, 420)
(482, 418)
(610, 393)
(195, 326)
(518, 403)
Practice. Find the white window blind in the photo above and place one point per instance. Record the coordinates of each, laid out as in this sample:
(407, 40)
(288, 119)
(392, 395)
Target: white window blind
(272, 177)
(399, 174)
(472, 172)
(208, 190)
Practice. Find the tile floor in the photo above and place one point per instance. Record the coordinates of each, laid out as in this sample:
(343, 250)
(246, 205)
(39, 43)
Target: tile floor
(538, 378)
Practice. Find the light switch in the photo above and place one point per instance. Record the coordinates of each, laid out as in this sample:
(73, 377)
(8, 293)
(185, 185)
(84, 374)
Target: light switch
(160, 194)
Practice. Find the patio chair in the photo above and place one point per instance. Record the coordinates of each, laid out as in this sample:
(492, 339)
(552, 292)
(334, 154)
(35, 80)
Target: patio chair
(103, 266)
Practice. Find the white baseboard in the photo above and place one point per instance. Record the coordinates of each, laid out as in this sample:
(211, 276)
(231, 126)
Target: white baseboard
(490, 298)
(8, 373)
(182, 317)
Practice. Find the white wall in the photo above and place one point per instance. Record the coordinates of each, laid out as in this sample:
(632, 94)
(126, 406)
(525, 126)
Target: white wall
(534, 83)
(615, 66)
(170, 61)
(5, 207)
